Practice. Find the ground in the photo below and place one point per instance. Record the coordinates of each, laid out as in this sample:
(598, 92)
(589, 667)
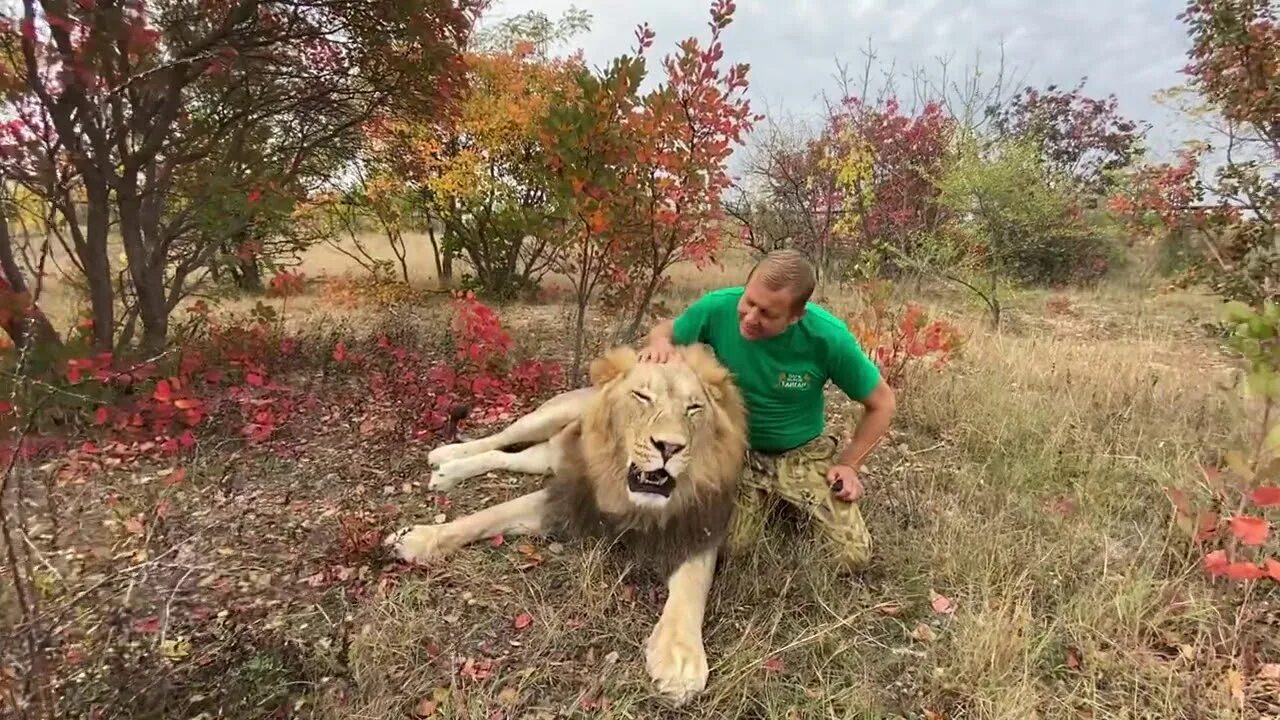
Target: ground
(1027, 564)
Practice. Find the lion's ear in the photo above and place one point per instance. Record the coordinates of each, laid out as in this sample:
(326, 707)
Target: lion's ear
(703, 361)
(611, 364)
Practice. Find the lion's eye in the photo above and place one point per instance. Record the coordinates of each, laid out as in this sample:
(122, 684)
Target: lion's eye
(641, 396)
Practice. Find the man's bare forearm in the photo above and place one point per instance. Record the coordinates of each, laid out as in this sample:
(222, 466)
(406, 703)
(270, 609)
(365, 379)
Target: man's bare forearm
(662, 332)
(871, 429)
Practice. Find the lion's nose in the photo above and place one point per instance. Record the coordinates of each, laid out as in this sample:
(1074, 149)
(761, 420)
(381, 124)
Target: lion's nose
(667, 447)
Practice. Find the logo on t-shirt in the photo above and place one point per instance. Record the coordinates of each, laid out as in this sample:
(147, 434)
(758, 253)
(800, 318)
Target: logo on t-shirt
(793, 381)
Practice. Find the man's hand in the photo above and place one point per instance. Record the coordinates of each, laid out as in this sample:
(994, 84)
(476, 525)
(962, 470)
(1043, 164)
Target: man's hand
(844, 482)
(659, 351)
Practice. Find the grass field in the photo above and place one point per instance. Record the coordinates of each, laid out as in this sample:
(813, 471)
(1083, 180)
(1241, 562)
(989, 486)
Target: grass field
(1023, 484)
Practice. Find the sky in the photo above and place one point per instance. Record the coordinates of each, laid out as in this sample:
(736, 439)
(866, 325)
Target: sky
(1132, 48)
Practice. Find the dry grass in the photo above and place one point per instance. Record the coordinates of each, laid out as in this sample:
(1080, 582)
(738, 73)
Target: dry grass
(1023, 483)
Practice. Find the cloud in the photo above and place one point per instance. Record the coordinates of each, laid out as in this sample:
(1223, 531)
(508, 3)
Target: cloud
(1131, 48)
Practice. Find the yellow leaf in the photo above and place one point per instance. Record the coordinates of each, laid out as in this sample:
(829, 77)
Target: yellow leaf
(1235, 686)
(175, 649)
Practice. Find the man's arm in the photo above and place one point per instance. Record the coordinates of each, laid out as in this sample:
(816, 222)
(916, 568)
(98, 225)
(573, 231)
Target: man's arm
(871, 428)
(661, 342)
(860, 379)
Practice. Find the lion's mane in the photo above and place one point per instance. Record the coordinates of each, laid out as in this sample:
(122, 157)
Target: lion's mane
(587, 493)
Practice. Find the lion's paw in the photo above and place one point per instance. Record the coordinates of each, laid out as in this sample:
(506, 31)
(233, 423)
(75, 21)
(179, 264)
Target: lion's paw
(419, 543)
(446, 453)
(448, 475)
(676, 661)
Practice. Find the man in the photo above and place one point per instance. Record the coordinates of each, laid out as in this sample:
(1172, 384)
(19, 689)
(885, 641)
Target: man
(782, 349)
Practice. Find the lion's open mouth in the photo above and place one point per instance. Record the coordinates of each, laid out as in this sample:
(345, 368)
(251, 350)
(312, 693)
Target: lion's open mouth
(656, 482)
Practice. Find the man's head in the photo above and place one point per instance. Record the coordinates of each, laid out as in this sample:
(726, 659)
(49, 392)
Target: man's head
(777, 289)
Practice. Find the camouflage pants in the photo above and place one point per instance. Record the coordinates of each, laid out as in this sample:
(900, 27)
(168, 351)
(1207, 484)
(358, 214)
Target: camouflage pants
(799, 477)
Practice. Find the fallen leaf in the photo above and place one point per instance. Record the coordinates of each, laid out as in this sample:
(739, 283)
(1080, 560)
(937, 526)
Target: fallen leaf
(923, 633)
(1269, 671)
(941, 603)
(1073, 658)
(175, 649)
(933, 715)
(426, 707)
(508, 695)
(1235, 686)
(523, 620)
(773, 664)
(890, 608)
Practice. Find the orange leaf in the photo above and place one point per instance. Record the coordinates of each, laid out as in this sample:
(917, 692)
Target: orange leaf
(1267, 496)
(1250, 530)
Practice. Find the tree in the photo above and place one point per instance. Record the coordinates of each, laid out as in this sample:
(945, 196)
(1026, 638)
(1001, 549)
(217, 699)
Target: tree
(1017, 214)
(482, 170)
(641, 177)
(668, 209)
(116, 82)
(1082, 138)
(1234, 211)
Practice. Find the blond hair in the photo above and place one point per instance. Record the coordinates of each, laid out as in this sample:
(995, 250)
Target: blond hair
(787, 269)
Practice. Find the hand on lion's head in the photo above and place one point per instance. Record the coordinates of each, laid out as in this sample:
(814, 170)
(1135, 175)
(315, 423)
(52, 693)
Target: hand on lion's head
(675, 430)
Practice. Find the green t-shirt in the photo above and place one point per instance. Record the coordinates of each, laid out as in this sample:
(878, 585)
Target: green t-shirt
(782, 377)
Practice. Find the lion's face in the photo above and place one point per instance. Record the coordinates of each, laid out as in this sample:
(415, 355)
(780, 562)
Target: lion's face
(670, 424)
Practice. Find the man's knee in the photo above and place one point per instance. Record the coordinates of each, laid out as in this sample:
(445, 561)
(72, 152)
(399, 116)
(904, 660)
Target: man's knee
(848, 538)
(747, 522)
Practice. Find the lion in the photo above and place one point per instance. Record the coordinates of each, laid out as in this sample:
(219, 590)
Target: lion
(647, 455)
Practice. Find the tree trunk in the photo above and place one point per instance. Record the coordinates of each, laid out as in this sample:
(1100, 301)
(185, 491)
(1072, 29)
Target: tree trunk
(579, 342)
(147, 276)
(97, 265)
(249, 275)
(32, 324)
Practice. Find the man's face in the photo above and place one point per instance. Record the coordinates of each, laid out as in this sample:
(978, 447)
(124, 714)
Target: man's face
(762, 312)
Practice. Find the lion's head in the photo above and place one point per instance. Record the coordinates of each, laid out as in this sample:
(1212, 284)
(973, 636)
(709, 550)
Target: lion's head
(659, 438)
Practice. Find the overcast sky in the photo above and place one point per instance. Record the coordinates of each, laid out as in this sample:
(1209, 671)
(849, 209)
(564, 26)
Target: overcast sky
(1132, 48)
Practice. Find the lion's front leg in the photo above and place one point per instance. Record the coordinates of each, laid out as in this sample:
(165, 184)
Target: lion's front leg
(524, 515)
(674, 654)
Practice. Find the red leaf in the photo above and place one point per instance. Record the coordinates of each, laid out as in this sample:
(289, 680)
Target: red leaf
(147, 625)
(1250, 530)
(1215, 563)
(253, 379)
(1267, 496)
(941, 603)
(773, 664)
(178, 475)
(1273, 569)
(163, 392)
(523, 620)
(101, 416)
(1244, 571)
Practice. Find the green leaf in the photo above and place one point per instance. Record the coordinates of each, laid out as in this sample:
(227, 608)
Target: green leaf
(1239, 466)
